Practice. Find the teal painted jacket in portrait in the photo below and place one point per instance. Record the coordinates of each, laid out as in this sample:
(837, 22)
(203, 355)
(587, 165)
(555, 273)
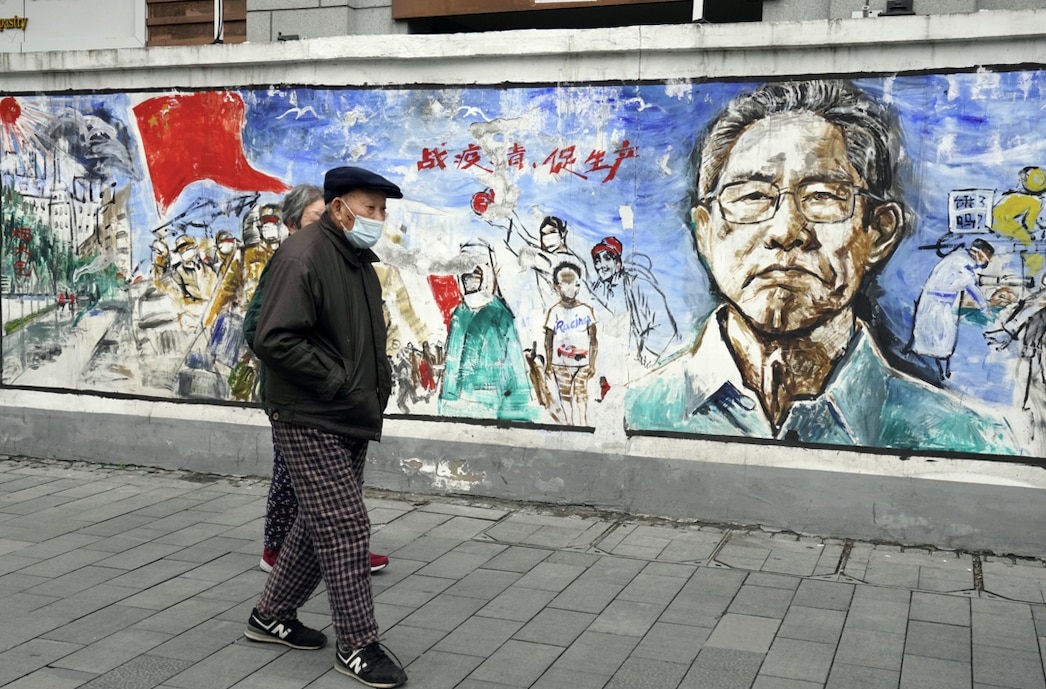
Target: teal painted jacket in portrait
(485, 374)
(865, 403)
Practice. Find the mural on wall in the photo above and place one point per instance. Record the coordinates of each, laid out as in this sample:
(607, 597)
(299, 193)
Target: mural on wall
(843, 263)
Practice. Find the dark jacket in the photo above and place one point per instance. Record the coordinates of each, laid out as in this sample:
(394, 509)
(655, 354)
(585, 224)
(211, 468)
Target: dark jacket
(250, 317)
(321, 335)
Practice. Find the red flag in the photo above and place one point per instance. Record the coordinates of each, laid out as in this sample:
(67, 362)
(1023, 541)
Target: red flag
(445, 291)
(189, 137)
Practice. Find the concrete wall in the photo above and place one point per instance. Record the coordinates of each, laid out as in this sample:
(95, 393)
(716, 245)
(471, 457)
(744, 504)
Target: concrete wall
(951, 500)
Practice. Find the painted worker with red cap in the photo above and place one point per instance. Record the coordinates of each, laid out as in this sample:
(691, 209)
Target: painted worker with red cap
(652, 328)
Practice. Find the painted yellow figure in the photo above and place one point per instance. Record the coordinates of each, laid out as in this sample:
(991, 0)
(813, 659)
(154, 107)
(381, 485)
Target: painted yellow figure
(161, 259)
(260, 241)
(1018, 211)
(261, 238)
(194, 277)
(401, 319)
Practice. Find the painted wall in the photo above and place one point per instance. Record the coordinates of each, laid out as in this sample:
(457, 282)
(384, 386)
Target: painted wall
(541, 268)
(117, 196)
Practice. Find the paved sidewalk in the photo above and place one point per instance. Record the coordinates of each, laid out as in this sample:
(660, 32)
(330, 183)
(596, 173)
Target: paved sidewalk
(126, 578)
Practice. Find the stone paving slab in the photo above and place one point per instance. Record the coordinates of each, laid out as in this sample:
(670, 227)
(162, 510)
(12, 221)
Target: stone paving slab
(122, 577)
(1015, 579)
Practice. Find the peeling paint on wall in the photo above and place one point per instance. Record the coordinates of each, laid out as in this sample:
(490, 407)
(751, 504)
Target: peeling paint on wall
(446, 475)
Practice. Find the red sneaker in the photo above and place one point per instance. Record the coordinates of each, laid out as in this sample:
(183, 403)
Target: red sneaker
(378, 562)
(268, 559)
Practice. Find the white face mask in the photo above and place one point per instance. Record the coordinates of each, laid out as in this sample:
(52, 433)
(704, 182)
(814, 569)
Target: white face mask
(477, 300)
(365, 232)
(569, 287)
(270, 232)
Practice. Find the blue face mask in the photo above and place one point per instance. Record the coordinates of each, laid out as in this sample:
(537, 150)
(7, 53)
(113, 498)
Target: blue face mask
(364, 233)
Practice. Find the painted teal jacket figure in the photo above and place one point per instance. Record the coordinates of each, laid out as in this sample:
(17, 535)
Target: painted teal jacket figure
(794, 208)
(485, 374)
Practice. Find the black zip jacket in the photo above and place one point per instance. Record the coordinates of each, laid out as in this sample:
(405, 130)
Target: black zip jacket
(321, 335)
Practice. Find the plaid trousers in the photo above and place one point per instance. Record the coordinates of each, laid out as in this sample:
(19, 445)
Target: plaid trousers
(330, 538)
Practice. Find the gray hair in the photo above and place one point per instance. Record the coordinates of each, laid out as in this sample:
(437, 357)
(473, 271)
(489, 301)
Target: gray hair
(869, 128)
(295, 202)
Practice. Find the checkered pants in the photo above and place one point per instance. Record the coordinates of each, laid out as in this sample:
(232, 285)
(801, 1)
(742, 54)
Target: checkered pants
(330, 539)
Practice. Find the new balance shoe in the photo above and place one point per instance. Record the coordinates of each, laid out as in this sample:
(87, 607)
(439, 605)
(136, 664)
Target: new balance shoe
(287, 632)
(371, 666)
(378, 562)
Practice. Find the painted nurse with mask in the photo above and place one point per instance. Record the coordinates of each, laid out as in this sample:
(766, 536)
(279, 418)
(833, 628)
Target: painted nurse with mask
(486, 373)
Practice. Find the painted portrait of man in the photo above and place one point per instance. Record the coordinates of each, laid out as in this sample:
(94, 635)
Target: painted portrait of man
(794, 207)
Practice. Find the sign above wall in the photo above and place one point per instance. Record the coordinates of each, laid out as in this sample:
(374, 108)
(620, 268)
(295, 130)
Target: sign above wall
(14, 22)
(62, 25)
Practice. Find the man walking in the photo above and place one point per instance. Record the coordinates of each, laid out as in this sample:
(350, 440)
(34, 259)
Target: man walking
(321, 336)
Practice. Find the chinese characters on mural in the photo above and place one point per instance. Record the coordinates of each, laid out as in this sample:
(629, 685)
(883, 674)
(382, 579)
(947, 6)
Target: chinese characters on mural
(556, 162)
(835, 263)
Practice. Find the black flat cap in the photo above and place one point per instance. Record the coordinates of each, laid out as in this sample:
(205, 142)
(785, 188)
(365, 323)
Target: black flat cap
(341, 180)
